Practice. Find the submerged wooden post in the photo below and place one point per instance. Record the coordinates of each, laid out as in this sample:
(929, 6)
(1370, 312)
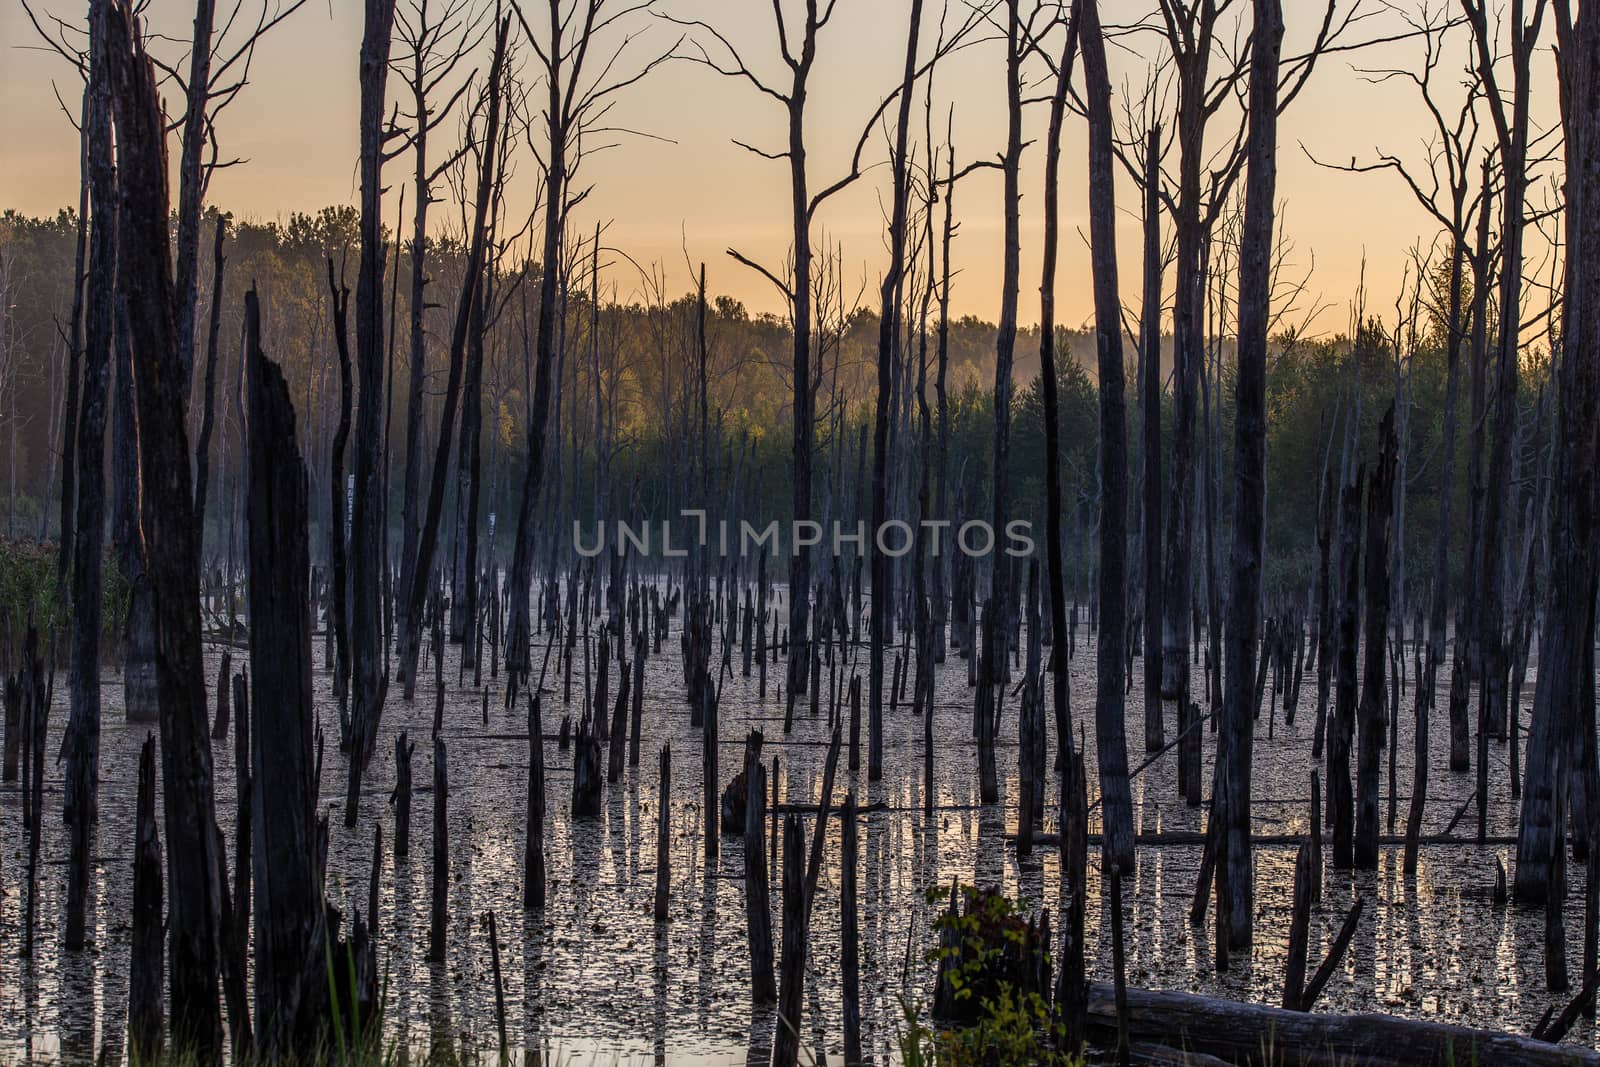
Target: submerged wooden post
(791, 980)
(499, 989)
(533, 847)
(439, 913)
(145, 955)
(849, 947)
(1294, 977)
(708, 751)
(757, 896)
(401, 797)
(663, 838)
(372, 882)
(639, 646)
(224, 685)
(619, 726)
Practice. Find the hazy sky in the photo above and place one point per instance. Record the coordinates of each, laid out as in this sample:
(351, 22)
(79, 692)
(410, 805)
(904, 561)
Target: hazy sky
(296, 125)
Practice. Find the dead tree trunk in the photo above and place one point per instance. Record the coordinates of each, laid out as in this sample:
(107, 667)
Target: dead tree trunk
(1236, 735)
(88, 528)
(145, 957)
(166, 520)
(1116, 799)
(1150, 452)
(1341, 802)
(1563, 700)
(1371, 713)
(291, 985)
(368, 516)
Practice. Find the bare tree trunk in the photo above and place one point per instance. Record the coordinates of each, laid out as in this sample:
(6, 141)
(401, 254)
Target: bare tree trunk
(368, 510)
(888, 339)
(1236, 734)
(1372, 713)
(291, 983)
(339, 597)
(1116, 799)
(88, 529)
(208, 414)
(167, 527)
(1562, 699)
(1150, 452)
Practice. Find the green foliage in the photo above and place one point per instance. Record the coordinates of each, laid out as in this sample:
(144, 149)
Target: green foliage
(28, 590)
(998, 1023)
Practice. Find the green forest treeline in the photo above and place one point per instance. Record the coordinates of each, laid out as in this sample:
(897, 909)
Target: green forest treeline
(641, 349)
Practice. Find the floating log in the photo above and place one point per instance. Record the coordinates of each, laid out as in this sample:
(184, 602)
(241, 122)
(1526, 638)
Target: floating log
(1261, 1036)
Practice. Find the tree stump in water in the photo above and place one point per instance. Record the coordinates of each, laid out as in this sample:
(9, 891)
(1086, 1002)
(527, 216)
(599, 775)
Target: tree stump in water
(587, 777)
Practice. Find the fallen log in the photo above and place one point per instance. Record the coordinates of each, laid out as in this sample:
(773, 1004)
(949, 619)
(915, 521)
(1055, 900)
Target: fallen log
(1261, 1036)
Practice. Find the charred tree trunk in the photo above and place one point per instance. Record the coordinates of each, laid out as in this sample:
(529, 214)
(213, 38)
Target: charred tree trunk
(1116, 799)
(1236, 733)
(167, 527)
(368, 511)
(291, 985)
(1562, 699)
(88, 528)
(1372, 714)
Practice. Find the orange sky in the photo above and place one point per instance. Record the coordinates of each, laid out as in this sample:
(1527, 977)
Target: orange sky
(296, 125)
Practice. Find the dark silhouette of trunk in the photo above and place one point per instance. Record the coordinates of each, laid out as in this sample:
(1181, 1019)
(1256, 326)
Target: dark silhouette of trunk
(75, 353)
(1116, 800)
(368, 511)
(1466, 643)
(1150, 449)
(1563, 701)
(167, 529)
(1372, 713)
(208, 413)
(1236, 731)
(291, 983)
(888, 340)
(1059, 661)
(88, 530)
(192, 180)
(421, 576)
(145, 958)
(339, 599)
(1341, 731)
(555, 183)
(1004, 350)
(1512, 134)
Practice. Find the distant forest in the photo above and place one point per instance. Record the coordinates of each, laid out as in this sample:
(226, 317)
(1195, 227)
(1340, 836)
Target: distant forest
(637, 357)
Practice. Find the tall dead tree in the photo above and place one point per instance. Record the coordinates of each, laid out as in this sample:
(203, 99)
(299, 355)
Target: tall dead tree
(1371, 714)
(1236, 733)
(291, 984)
(1059, 661)
(88, 529)
(798, 50)
(1511, 131)
(1116, 799)
(435, 44)
(368, 514)
(888, 340)
(420, 580)
(576, 98)
(144, 262)
(1563, 701)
